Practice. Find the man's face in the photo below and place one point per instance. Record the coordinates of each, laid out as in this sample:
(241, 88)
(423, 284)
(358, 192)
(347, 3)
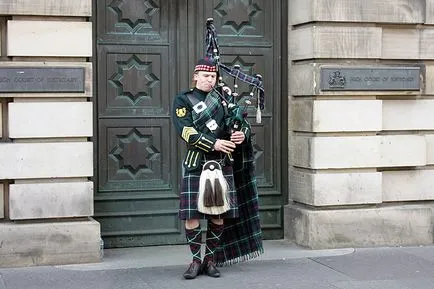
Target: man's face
(205, 80)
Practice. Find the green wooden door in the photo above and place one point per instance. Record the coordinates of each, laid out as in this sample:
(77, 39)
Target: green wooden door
(145, 52)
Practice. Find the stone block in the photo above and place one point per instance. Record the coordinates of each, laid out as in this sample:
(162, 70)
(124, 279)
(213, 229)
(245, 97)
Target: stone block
(335, 42)
(46, 160)
(305, 80)
(429, 19)
(336, 152)
(408, 114)
(50, 200)
(400, 44)
(1, 119)
(300, 11)
(337, 115)
(50, 119)
(402, 150)
(302, 43)
(429, 79)
(415, 185)
(2, 198)
(88, 76)
(372, 11)
(359, 227)
(46, 7)
(429, 149)
(302, 115)
(359, 151)
(56, 243)
(2, 31)
(427, 43)
(335, 189)
(49, 38)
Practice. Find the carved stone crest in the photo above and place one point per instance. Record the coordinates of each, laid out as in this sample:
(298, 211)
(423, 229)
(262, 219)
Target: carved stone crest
(336, 80)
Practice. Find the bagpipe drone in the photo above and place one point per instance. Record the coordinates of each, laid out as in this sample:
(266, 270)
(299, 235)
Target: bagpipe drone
(213, 188)
(237, 111)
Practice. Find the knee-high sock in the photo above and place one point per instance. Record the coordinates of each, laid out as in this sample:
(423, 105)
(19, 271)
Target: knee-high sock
(194, 240)
(213, 235)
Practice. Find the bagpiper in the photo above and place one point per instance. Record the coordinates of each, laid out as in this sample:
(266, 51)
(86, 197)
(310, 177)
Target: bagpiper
(218, 181)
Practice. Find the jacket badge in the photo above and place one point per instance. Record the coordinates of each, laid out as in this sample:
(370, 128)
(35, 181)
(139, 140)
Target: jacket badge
(181, 112)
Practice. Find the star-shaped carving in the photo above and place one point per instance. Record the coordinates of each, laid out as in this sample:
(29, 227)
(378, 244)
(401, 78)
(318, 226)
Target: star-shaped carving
(135, 153)
(238, 14)
(134, 13)
(134, 79)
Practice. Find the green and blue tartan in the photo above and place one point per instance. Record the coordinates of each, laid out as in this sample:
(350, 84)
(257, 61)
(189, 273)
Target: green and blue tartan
(190, 190)
(242, 236)
(190, 181)
(213, 105)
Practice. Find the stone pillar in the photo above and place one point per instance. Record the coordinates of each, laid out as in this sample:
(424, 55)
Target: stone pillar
(45, 150)
(361, 163)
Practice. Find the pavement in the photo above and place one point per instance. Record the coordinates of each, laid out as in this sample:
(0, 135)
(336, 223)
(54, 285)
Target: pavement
(283, 265)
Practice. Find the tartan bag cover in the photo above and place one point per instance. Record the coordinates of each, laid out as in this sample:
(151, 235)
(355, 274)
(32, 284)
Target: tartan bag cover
(242, 237)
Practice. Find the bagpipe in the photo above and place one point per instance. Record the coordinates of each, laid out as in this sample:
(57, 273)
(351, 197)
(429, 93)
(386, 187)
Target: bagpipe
(213, 189)
(236, 111)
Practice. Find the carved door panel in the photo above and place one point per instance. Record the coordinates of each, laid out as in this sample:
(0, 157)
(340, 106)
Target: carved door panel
(136, 200)
(145, 53)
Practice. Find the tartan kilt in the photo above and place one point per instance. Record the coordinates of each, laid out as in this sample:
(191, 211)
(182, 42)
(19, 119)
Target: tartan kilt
(190, 190)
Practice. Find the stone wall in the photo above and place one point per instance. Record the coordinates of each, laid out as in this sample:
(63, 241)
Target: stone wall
(46, 152)
(362, 163)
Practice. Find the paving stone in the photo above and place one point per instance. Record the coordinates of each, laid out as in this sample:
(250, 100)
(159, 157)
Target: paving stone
(387, 264)
(383, 284)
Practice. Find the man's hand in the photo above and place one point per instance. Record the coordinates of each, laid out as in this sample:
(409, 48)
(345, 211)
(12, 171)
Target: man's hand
(237, 137)
(224, 146)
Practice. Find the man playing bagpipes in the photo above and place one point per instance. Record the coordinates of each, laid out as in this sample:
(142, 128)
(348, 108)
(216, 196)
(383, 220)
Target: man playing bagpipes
(218, 182)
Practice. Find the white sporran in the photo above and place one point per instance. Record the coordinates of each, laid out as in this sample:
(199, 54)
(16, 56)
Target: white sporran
(213, 190)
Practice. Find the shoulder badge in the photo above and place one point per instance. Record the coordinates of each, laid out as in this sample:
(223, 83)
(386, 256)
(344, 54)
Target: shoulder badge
(181, 112)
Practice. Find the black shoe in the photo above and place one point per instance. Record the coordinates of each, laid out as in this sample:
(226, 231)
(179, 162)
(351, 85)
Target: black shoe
(210, 269)
(192, 271)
